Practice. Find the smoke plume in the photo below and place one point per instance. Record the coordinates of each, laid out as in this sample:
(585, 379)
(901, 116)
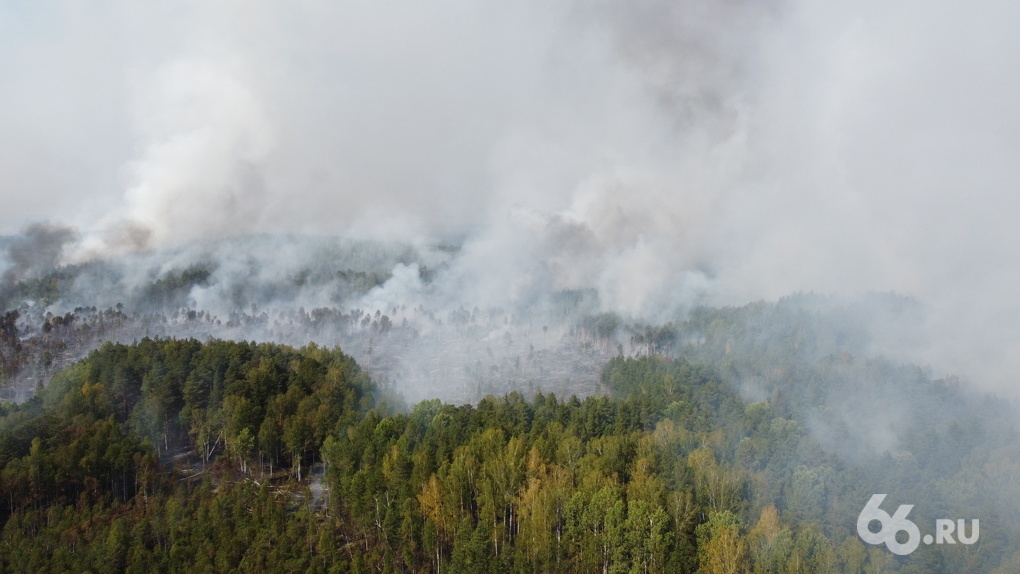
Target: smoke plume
(663, 154)
(38, 249)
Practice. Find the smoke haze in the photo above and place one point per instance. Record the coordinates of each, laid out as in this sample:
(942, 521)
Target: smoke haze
(664, 154)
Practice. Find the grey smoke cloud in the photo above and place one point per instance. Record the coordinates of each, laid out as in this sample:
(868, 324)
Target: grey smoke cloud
(37, 250)
(664, 153)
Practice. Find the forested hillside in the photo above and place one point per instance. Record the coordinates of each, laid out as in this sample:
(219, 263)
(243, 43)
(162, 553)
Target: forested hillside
(611, 287)
(174, 455)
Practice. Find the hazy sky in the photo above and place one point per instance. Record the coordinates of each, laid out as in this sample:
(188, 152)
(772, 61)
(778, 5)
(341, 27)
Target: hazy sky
(651, 149)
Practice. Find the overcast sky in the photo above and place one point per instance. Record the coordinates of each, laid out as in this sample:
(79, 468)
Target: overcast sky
(652, 149)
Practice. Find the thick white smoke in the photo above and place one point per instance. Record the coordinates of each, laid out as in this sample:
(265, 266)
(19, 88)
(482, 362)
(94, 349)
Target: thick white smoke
(663, 153)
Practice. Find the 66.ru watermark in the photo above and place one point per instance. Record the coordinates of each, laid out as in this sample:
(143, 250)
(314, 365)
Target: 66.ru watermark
(898, 522)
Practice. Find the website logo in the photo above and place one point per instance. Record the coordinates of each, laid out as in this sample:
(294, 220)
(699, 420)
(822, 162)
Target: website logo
(898, 522)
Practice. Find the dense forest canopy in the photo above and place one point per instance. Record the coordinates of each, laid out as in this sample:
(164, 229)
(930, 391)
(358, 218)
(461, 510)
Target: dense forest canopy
(530, 286)
(550, 436)
(170, 455)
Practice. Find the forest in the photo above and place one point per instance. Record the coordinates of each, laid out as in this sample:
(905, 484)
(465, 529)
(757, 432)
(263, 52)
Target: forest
(179, 455)
(157, 435)
(612, 287)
